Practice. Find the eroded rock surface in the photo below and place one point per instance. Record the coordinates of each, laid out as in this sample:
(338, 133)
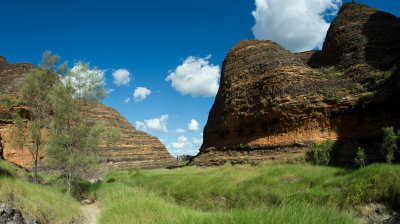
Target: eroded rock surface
(272, 103)
(136, 148)
(10, 214)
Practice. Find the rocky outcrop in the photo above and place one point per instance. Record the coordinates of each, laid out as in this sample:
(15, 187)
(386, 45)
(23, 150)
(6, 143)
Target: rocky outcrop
(136, 148)
(362, 36)
(184, 158)
(272, 103)
(9, 214)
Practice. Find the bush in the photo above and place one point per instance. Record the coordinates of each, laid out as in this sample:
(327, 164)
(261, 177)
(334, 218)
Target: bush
(80, 190)
(360, 157)
(389, 143)
(320, 153)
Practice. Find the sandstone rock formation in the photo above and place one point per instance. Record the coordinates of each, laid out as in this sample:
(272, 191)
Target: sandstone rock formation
(136, 148)
(272, 103)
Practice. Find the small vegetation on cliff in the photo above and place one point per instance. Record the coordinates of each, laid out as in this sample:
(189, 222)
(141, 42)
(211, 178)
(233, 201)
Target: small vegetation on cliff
(320, 153)
(390, 143)
(359, 161)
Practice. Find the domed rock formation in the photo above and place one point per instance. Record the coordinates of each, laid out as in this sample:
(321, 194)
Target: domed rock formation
(272, 103)
(362, 36)
(136, 148)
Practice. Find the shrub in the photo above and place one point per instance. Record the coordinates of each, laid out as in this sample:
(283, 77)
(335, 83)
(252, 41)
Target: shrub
(320, 153)
(359, 160)
(389, 143)
(80, 190)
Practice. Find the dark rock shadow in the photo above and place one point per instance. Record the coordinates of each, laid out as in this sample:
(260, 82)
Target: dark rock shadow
(362, 125)
(383, 40)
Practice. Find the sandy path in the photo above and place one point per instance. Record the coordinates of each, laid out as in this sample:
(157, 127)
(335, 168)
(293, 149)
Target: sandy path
(91, 213)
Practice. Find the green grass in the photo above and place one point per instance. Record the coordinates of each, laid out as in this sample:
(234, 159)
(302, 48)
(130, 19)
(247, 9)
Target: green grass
(47, 204)
(127, 204)
(279, 193)
(273, 192)
(244, 185)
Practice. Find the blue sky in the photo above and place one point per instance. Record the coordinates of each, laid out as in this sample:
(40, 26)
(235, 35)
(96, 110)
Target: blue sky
(141, 43)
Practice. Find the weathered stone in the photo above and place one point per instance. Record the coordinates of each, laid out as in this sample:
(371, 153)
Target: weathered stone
(136, 148)
(10, 215)
(272, 104)
(362, 36)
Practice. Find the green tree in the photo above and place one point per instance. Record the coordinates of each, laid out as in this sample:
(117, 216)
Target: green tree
(33, 93)
(113, 136)
(389, 143)
(5, 106)
(18, 135)
(73, 141)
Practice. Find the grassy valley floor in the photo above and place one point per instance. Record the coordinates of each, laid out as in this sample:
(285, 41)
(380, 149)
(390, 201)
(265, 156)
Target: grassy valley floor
(268, 193)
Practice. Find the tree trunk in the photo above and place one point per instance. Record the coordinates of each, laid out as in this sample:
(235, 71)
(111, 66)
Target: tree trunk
(69, 184)
(35, 164)
(1, 149)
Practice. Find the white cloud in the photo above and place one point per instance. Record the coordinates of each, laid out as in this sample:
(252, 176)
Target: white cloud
(195, 77)
(156, 124)
(193, 125)
(127, 100)
(178, 152)
(139, 124)
(183, 146)
(197, 142)
(298, 25)
(181, 143)
(140, 94)
(180, 130)
(121, 77)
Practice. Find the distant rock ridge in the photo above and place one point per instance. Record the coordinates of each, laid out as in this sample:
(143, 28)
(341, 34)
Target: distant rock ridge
(183, 158)
(272, 103)
(136, 149)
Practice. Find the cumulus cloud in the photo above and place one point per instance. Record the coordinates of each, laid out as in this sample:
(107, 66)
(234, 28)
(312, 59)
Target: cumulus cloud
(184, 146)
(140, 94)
(193, 125)
(180, 130)
(127, 100)
(298, 25)
(178, 152)
(195, 76)
(121, 77)
(181, 143)
(156, 124)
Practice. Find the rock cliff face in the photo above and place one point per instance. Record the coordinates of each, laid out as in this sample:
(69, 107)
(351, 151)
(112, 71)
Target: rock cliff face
(272, 103)
(136, 148)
